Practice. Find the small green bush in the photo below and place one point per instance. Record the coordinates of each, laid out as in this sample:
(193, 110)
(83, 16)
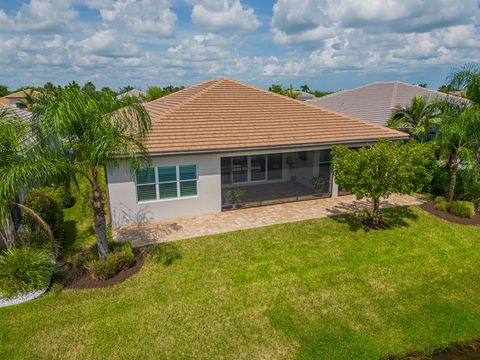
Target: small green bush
(47, 202)
(23, 269)
(441, 203)
(36, 239)
(461, 208)
(115, 262)
(79, 262)
(164, 254)
(68, 200)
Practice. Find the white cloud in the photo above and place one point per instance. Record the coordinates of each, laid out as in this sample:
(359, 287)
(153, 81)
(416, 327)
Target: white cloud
(223, 15)
(144, 18)
(40, 15)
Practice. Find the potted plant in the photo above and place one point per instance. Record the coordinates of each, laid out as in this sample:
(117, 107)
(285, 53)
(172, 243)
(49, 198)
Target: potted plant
(318, 184)
(235, 196)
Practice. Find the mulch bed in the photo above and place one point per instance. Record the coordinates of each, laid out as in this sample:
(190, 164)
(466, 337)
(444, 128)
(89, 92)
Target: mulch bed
(382, 225)
(70, 280)
(429, 206)
(465, 351)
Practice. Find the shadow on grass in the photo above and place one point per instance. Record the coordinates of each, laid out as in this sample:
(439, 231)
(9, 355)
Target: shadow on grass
(395, 218)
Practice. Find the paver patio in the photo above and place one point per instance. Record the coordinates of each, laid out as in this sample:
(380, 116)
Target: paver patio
(187, 227)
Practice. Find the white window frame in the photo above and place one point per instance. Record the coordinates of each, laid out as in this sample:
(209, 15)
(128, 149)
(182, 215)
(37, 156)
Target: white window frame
(177, 181)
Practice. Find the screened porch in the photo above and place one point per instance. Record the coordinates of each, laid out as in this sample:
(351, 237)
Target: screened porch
(263, 179)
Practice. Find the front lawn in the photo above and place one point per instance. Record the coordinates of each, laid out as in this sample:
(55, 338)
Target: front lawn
(323, 288)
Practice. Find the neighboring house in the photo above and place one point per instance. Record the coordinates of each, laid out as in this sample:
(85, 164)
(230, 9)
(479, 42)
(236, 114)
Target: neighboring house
(305, 96)
(15, 100)
(375, 102)
(132, 93)
(222, 135)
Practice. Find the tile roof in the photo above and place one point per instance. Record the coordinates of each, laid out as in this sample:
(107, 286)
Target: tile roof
(23, 114)
(17, 95)
(374, 102)
(225, 114)
(132, 93)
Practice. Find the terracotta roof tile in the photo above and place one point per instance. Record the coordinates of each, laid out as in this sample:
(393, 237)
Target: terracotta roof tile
(225, 114)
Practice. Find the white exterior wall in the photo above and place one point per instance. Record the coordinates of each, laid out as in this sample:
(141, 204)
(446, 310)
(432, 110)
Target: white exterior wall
(122, 193)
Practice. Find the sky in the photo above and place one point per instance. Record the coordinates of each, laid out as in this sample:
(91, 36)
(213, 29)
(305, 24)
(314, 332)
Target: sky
(327, 44)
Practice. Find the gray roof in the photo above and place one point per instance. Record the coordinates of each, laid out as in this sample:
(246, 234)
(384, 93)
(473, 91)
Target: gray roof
(374, 102)
(132, 93)
(22, 113)
(305, 96)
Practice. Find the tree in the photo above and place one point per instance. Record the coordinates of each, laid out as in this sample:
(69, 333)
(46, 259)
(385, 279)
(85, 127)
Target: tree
(418, 118)
(4, 90)
(290, 92)
(458, 138)
(383, 169)
(153, 93)
(95, 132)
(467, 78)
(423, 85)
(23, 164)
(305, 88)
(89, 88)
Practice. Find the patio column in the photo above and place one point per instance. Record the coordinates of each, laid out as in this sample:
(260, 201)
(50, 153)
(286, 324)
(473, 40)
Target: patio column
(334, 186)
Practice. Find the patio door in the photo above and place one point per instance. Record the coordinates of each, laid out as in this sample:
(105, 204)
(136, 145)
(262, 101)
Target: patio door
(239, 169)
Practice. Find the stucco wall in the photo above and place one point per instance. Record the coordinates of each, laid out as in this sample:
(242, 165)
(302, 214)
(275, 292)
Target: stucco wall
(122, 194)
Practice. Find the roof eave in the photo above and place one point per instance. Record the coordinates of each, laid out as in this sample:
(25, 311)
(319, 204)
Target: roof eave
(276, 147)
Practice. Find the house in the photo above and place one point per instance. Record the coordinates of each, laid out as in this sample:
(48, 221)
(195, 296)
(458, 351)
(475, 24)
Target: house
(303, 96)
(375, 102)
(132, 93)
(16, 99)
(223, 139)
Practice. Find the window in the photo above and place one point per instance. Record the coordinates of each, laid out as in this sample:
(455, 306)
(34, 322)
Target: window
(251, 168)
(146, 185)
(166, 182)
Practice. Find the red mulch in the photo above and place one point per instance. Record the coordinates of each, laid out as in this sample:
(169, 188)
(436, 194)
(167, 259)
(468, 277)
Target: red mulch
(429, 206)
(70, 280)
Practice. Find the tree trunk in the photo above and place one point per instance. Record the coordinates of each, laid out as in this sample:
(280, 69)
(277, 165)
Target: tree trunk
(99, 216)
(376, 212)
(7, 230)
(455, 162)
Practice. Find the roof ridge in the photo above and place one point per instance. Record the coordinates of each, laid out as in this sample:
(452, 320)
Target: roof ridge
(214, 82)
(316, 107)
(394, 95)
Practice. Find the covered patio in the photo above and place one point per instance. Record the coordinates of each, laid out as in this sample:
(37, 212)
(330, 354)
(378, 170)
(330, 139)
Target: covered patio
(266, 179)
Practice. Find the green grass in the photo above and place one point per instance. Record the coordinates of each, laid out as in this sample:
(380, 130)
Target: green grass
(323, 288)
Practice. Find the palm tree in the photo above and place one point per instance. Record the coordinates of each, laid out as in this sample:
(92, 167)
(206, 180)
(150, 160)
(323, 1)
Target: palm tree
(95, 132)
(458, 138)
(467, 78)
(23, 164)
(418, 118)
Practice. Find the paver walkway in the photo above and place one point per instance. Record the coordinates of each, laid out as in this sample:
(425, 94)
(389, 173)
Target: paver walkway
(187, 227)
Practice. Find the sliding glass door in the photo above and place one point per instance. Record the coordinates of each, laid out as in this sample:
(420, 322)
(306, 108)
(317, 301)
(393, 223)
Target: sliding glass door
(252, 168)
(239, 169)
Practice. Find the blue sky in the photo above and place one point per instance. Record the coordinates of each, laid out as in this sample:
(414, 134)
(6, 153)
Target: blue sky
(327, 44)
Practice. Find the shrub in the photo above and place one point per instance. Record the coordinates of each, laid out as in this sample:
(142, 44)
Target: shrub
(441, 203)
(36, 239)
(440, 181)
(164, 254)
(68, 200)
(47, 202)
(461, 208)
(80, 261)
(115, 262)
(23, 269)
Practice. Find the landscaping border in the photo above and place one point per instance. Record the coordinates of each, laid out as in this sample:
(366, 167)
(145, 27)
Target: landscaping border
(429, 206)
